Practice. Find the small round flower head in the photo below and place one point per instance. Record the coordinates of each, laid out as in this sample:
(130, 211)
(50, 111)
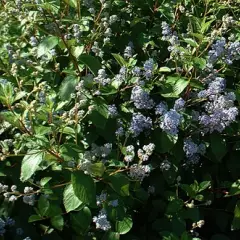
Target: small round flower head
(113, 203)
(101, 198)
(136, 71)
(165, 165)
(201, 149)
(12, 198)
(179, 104)
(161, 108)
(28, 189)
(139, 172)
(33, 41)
(112, 110)
(190, 148)
(166, 31)
(141, 98)
(102, 77)
(148, 67)
(10, 222)
(30, 200)
(101, 221)
(170, 122)
(128, 52)
(149, 148)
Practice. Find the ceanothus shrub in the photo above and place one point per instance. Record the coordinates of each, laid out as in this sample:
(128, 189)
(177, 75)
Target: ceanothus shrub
(119, 119)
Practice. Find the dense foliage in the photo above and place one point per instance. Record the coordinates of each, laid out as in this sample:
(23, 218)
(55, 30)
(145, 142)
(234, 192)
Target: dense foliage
(119, 119)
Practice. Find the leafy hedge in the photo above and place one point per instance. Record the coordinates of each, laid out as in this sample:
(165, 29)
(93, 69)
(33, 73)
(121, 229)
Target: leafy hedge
(119, 119)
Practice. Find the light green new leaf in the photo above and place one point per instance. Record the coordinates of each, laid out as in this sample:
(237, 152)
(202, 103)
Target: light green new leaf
(30, 164)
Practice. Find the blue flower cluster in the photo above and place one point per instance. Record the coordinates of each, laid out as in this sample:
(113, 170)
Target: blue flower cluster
(220, 111)
(140, 123)
(102, 77)
(141, 98)
(148, 68)
(101, 221)
(170, 122)
(193, 150)
(228, 52)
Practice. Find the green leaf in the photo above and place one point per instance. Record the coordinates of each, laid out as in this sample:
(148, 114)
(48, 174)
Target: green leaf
(77, 51)
(124, 226)
(6, 93)
(46, 45)
(235, 189)
(30, 164)
(81, 220)
(99, 115)
(120, 184)
(218, 146)
(164, 69)
(84, 187)
(11, 118)
(111, 236)
(72, 3)
(119, 59)
(91, 62)
(163, 141)
(175, 206)
(70, 200)
(57, 222)
(97, 169)
(44, 181)
(43, 206)
(19, 95)
(67, 87)
(70, 151)
(34, 218)
(191, 42)
(204, 185)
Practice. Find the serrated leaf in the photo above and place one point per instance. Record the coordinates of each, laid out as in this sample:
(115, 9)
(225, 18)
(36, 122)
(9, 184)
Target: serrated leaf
(46, 45)
(67, 88)
(70, 200)
(30, 164)
(84, 187)
(191, 42)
